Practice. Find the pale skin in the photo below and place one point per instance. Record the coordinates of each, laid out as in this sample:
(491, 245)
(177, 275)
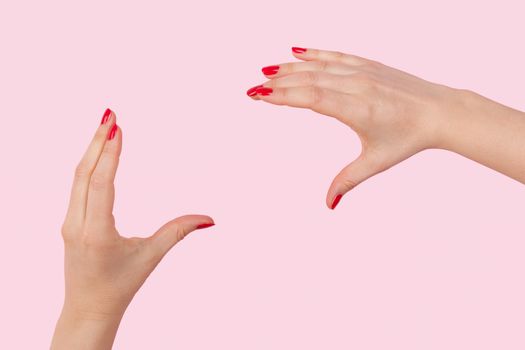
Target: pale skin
(104, 270)
(395, 115)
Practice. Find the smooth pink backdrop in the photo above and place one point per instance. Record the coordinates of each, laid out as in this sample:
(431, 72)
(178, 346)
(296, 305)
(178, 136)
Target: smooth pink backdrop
(429, 255)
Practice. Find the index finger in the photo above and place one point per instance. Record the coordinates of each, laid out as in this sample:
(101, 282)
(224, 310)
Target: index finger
(309, 54)
(78, 198)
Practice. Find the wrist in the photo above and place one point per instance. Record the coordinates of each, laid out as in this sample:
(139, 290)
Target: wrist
(79, 316)
(85, 329)
(454, 117)
(93, 305)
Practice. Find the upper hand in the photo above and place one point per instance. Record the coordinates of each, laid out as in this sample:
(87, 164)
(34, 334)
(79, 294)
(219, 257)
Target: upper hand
(395, 114)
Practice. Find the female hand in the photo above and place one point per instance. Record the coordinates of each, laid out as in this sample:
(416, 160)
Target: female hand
(395, 114)
(104, 270)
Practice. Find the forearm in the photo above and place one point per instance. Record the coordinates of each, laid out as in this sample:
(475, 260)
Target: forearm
(487, 132)
(86, 332)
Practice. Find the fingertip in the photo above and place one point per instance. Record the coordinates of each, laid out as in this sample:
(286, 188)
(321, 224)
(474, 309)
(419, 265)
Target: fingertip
(118, 137)
(270, 70)
(105, 116)
(263, 91)
(175, 230)
(205, 225)
(252, 92)
(204, 222)
(335, 201)
(112, 116)
(196, 221)
(299, 50)
(112, 132)
(108, 118)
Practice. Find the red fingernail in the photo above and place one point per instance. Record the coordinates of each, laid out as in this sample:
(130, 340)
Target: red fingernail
(253, 91)
(205, 225)
(270, 70)
(336, 201)
(112, 132)
(105, 117)
(298, 49)
(264, 91)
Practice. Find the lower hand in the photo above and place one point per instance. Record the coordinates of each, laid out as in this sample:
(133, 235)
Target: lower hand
(104, 270)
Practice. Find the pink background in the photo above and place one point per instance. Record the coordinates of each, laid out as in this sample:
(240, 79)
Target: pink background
(428, 255)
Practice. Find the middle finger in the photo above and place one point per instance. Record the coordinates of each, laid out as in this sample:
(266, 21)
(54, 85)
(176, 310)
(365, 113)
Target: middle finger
(283, 69)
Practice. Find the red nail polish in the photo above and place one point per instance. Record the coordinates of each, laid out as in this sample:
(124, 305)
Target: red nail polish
(205, 225)
(264, 91)
(105, 117)
(270, 70)
(253, 91)
(298, 49)
(336, 201)
(112, 132)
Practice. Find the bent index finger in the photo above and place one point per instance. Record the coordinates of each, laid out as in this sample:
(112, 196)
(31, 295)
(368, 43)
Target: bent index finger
(79, 191)
(325, 101)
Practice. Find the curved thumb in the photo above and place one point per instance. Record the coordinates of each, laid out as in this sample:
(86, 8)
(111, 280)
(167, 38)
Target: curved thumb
(175, 230)
(352, 175)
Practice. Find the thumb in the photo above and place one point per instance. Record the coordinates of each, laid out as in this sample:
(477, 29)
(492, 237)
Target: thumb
(352, 175)
(175, 230)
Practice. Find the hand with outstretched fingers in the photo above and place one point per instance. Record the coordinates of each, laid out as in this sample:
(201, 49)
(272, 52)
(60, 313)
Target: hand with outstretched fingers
(395, 114)
(104, 270)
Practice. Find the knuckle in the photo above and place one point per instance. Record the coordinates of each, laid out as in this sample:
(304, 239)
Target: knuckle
(349, 184)
(368, 112)
(67, 238)
(81, 171)
(180, 233)
(285, 93)
(367, 81)
(316, 95)
(68, 230)
(98, 182)
(109, 150)
(375, 65)
(338, 55)
(350, 59)
(323, 66)
(310, 78)
(66, 227)
(360, 61)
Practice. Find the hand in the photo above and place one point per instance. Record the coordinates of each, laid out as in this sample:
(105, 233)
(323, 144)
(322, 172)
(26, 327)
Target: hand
(104, 270)
(395, 114)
